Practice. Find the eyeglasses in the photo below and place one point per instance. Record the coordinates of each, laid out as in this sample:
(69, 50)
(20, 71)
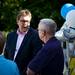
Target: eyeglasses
(24, 21)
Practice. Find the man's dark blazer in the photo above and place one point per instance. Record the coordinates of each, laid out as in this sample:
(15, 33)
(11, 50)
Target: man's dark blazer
(30, 45)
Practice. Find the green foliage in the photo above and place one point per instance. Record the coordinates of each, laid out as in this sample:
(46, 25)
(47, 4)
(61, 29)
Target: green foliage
(5, 33)
(39, 9)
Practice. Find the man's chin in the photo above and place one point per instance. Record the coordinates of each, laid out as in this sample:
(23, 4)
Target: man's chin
(25, 30)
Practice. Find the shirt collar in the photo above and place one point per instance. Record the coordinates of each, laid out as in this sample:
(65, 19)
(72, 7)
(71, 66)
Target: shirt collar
(21, 33)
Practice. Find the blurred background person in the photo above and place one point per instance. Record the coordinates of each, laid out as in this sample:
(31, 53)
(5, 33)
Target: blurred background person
(7, 67)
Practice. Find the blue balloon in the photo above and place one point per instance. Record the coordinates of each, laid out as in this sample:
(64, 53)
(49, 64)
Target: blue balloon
(66, 8)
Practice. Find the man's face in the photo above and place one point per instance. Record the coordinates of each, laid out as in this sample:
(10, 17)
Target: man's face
(41, 32)
(24, 23)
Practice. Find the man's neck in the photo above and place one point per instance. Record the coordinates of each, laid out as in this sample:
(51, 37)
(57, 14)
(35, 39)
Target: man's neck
(47, 38)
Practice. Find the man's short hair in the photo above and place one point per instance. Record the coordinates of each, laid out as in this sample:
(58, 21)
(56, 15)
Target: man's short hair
(49, 25)
(25, 12)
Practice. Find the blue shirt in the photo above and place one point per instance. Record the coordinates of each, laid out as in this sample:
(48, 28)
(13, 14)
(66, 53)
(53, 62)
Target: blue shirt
(49, 60)
(8, 67)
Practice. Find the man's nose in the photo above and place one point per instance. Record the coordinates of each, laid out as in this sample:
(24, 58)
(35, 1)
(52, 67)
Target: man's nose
(24, 23)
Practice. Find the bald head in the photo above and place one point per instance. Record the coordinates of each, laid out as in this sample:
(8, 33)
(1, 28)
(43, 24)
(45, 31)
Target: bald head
(2, 42)
(48, 25)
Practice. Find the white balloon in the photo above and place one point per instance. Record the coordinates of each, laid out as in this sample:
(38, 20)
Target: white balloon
(66, 32)
(70, 18)
(68, 28)
(70, 22)
(59, 34)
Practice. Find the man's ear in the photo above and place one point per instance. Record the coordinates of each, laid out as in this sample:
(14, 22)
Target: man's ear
(17, 22)
(44, 32)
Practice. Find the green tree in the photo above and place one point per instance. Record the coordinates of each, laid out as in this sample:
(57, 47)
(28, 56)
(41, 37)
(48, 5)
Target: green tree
(39, 9)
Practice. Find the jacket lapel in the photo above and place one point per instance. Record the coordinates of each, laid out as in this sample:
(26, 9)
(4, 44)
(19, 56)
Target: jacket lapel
(24, 43)
(14, 44)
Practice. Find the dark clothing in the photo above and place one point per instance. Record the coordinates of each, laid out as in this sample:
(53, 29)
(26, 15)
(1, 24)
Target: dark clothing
(30, 45)
(49, 60)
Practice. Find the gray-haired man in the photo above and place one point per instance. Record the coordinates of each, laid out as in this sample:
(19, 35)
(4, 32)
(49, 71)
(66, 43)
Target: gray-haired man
(50, 59)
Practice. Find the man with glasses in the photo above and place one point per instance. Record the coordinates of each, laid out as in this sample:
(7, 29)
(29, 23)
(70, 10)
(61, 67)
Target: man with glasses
(22, 44)
(50, 59)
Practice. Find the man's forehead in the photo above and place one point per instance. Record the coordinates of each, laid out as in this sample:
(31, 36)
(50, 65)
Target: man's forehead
(26, 17)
